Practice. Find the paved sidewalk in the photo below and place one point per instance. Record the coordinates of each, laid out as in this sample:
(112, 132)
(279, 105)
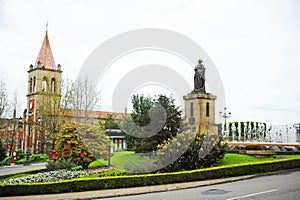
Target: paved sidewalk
(21, 168)
(126, 191)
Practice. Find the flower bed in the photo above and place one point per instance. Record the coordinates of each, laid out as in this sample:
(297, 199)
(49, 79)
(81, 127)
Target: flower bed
(49, 176)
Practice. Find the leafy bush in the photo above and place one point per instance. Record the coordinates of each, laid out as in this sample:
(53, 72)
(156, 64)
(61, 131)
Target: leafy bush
(21, 162)
(20, 154)
(69, 146)
(39, 158)
(6, 161)
(2, 151)
(64, 164)
(195, 151)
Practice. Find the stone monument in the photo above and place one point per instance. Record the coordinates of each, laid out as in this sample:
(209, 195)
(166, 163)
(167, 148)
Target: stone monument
(200, 105)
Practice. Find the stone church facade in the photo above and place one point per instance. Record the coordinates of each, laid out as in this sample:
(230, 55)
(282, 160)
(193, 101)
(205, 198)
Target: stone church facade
(43, 102)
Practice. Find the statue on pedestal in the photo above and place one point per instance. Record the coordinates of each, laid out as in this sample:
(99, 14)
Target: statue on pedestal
(199, 78)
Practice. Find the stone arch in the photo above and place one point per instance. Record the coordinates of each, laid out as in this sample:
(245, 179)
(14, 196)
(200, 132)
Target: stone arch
(44, 84)
(53, 85)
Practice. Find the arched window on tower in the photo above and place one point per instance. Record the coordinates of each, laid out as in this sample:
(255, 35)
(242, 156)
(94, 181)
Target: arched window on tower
(207, 109)
(30, 85)
(53, 85)
(44, 84)
(34, 84)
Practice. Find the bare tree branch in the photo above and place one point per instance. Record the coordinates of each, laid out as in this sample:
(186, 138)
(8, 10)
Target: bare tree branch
(3, 98)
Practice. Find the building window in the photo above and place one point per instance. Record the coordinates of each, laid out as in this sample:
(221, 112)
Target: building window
(44, 84)
(192, 110)
(207, 109)
(53, 85)
(30, 85)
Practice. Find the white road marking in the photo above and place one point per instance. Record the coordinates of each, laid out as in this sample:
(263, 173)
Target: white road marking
(254, 194)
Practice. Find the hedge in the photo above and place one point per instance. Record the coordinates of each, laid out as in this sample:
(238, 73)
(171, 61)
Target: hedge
(84, 184)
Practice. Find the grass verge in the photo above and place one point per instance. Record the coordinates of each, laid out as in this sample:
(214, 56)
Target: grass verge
(232, 159)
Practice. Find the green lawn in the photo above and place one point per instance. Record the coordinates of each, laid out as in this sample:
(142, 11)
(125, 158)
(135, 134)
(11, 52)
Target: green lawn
(118, 160)
(121, 158)
(231, 159)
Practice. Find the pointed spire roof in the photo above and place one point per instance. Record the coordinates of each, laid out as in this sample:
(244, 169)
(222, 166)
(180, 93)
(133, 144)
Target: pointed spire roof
(45, 58)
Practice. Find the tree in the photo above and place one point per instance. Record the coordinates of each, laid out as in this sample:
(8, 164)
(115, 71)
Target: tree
(69, 145)
(141, 106)
(11, 126)
(2, 151)
(107, 124)
(94, 138)
(49, 112)
(14, 124)
(140, 115)
(85, 98)
(3, 98)
(66, 96)
(173, 114)
(79, 98)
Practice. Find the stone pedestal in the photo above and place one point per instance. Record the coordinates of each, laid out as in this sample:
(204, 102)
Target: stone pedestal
(200, 112)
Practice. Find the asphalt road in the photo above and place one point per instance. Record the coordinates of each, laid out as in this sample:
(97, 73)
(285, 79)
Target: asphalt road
(20, 168)
(284, 186)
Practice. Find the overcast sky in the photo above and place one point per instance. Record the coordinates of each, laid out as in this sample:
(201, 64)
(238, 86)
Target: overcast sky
(255, 45)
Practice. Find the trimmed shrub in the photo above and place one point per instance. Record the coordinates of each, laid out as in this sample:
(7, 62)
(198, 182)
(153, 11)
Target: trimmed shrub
(148, 179)
(98, 163)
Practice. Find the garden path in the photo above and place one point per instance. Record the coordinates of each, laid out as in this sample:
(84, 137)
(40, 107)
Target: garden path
(21, 168)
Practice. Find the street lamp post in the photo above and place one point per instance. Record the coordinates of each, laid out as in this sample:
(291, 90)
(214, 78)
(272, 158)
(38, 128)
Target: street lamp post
(225, 115)
(28, 152)
(109, 143)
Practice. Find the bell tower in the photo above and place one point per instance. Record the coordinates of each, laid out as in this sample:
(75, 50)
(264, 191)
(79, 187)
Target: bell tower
(44, 81)
(44, 88)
